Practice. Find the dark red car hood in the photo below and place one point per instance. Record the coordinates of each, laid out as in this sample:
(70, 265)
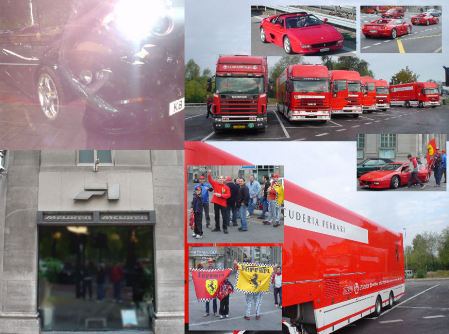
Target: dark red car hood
(315, 34)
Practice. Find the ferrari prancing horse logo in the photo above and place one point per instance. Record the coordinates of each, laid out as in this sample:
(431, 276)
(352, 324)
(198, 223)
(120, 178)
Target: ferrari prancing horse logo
(211, 286)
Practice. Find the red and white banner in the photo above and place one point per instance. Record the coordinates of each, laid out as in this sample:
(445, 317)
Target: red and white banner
(207, 282)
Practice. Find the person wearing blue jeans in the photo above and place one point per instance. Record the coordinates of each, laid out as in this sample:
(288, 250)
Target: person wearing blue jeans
(241, 203)
(263, 199)
(444, 165)
(211, 265)
(254, 189)
(257, 299)
(230, 202)
(438, 166)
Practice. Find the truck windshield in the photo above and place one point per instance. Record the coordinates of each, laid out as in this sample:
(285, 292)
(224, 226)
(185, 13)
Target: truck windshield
(300, 85)
(243, 85)
(382, 90)
(430, 91)
(354, 86)
(370, 87)
(339, 85)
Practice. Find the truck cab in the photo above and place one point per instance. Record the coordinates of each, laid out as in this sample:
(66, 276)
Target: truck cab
(303, 93)
(382, 95)
(240, 95)
(369, 93)
(346, 90)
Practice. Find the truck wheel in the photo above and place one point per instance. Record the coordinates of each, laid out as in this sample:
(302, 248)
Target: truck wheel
(263, 38)
(50, 93)
(420, 104)
(393, 33)
(391, 300)
(407, 104)
(287, 45)
(378, 306)
(394, 182)
(355, 116)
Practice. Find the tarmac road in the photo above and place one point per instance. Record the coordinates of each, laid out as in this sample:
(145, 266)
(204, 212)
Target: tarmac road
(423, 39)
(269, 49)
(394, 120)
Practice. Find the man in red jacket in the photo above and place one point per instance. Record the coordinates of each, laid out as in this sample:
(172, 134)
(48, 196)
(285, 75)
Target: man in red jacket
(221, 193)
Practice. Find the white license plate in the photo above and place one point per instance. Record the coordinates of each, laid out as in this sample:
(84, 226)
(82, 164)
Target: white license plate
(324, 49)
(373, 31)
(176, 106)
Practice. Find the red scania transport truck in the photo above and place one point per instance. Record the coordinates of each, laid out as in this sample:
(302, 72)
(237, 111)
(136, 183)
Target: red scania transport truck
(302, 93)
(337, 265)
(369, 93)
(240, 96)
(382, 95)
(415, 94)
(346, 92)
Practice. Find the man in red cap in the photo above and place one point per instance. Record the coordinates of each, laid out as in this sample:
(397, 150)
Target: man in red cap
(205, 188)
(230, 202)
(221, 194)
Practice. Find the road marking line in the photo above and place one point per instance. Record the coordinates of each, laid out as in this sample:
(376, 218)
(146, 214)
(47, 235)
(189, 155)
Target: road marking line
(331, 121)
(428, 36)
(437, 50)
(434, 316)
(376, 121)
(341, 130)
(368, 122)
(223, 320)
(366, 47)
(426, 307)
(400, 46)
(208, 136)
(387, 41)
(355, 126)
(300, 139)
(390, 321)
(322, 134)
(282, 125)
(405, 301)
(185, 119)
(377, 43)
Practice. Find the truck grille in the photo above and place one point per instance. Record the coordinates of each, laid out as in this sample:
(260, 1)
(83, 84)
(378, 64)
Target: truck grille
(353, 101)
(381, 100)
(321, 45)
(237, 105)
(312, 105)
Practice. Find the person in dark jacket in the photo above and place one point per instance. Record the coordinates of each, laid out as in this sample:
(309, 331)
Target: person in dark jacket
(197, 209)
(242, 204)
(101, 279)
(266, 181)
(205, 189)
(437, 164)
(230, 202)
(209, 105)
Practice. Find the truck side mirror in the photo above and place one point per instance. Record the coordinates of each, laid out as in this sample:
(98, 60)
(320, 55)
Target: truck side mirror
(209, 85)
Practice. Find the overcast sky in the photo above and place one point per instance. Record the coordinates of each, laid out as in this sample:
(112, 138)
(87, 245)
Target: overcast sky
(329, 168)
(223, 27)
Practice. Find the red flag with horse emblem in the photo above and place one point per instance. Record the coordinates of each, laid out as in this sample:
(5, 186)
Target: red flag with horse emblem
(208, 281)
(431, 147)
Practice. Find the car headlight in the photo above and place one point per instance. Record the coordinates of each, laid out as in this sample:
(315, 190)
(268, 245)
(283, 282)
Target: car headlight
(306, 46)
(340, 41)
(137, 19)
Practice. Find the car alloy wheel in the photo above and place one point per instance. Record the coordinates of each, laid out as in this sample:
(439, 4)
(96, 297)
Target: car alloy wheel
(287, 45)
(395, 182)
(393, 33)
(48, 96)
(263, 38)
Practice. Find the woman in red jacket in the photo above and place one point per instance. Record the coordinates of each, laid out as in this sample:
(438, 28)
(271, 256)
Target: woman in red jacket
(221, 193)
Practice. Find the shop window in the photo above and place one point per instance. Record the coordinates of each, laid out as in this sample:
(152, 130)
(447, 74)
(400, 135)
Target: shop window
(96, 278)
(88, 157)
(387, 153)
(388, 140)
(360, 145)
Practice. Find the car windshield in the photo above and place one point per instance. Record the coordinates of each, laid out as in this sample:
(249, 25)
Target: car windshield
(302, 21)
(354, 86)
(382, 90)
(430, 91)
(392, 167)
(241, 85)
(381, 21)
(310, 85)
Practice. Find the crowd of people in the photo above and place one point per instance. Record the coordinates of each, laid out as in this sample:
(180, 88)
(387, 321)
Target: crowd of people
(235, 199)
(437, 165)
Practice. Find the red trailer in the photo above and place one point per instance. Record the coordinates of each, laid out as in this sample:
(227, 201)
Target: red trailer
(369, 93)
(415, 94)
(337, 265)
(302, 93)
(240, 96)
(382, 95)
(346, 92)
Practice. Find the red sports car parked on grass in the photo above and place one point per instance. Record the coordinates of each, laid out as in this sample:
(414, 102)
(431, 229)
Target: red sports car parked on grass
(300, 33)
(393, 175)
(386, 28)
(425, 19)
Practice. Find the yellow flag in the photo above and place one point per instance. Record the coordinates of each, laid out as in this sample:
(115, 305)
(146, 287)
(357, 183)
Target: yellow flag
(253, 278)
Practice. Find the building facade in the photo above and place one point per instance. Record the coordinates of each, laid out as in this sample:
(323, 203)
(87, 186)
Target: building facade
(91, 240)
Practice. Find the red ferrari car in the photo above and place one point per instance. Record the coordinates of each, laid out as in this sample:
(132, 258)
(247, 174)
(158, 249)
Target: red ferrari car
(386, 28)
(392, 175)
(425, 19)
(300, 33)
(396, 12)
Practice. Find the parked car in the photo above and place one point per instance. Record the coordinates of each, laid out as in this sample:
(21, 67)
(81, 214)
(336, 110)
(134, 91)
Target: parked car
(386, 28)
(107, 53)
(396, 12)
(392, 175)
(300, 33)
(433, 12)
(371, 164)
(425, 19)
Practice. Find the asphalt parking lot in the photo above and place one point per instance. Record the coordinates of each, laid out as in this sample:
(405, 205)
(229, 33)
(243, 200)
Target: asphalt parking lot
(24, 126)
(423, 309)
(269, 49)
(394, 120)
(423, 39)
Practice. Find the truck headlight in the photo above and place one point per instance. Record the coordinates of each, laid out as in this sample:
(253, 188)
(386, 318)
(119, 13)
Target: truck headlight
(262, 95)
